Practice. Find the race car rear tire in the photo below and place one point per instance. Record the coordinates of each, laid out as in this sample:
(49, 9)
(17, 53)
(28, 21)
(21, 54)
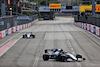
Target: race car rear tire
(63, 59)
(45, 57)
(46, 51)
(78, 56)
(33, 36)
(23, 36)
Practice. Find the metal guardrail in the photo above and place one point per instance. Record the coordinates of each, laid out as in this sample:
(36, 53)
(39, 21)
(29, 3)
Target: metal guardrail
(10, 21)
(87, 19)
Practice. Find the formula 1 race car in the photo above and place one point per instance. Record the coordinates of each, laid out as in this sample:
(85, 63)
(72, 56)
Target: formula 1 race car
(28, 35)
(60, 55)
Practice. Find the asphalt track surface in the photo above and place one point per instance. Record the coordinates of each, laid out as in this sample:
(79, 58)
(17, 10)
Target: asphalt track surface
(50, 34)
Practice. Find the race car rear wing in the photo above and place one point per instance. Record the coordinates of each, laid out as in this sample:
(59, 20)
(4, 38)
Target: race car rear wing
(50, 50)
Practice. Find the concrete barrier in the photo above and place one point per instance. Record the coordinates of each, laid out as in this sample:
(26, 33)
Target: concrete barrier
(83, 25)
(0, 34)
(14, 29)
(94, 29)
(3, 34)
(9, 31)
(97, 31)
(88, 27)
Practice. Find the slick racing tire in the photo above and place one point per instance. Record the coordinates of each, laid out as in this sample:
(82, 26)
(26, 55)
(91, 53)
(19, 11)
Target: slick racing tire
(78, 56)
(33, 36)
(23, 36)
(46, 51)
(45, 57)
(63, 59)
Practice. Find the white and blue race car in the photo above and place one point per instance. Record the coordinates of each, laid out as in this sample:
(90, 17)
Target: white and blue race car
(60, 55)
(28, 35)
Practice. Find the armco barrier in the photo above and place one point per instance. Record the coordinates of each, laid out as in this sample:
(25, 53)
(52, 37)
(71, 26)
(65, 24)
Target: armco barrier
(17, 28)
(94, 29)
(20, 27)
(3, 34)
(83, 25)
(25, 25)
(6, 32)
(88, 27)
(80, 25)
(14, 29)
(97, 31)
(9, 31)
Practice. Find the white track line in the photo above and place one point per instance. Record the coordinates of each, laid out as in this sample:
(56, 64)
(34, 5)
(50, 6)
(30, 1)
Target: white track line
(37, 57)
(36, 62)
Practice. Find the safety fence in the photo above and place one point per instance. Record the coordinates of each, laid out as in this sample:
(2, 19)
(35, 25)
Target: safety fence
(92, 28)
(15, 28)
(10, 21)
(88, 19)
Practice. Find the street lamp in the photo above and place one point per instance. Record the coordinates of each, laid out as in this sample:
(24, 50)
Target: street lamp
(11, 11)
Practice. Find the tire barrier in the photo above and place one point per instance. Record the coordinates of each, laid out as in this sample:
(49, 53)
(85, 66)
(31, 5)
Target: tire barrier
(17, 28)
(92, 28)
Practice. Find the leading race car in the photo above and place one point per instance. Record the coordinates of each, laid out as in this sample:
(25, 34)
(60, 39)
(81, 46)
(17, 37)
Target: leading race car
(60, 55)
(28, 35)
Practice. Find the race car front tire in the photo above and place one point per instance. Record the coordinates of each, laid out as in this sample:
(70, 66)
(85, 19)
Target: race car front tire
(78, 56)
(33, 36)
(45, 57)
(24, 36)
